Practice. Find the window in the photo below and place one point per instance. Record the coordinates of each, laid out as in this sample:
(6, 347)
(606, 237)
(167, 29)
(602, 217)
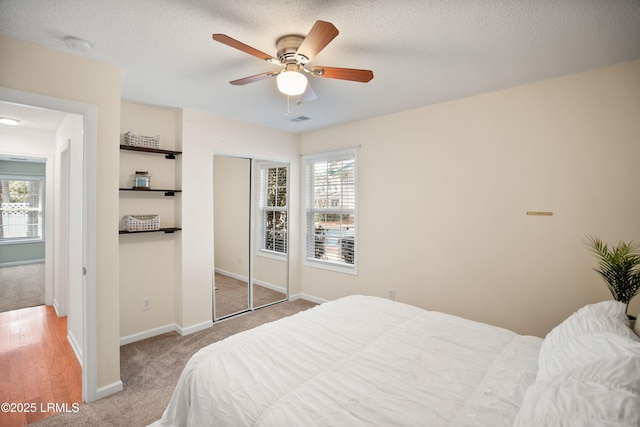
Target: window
(273, 223)
(21, 201)
(330, 203)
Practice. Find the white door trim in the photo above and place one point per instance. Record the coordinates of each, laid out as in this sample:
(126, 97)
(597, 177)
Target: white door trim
(90, 142)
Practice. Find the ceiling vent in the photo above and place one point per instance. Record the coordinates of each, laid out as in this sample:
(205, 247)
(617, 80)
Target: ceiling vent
(299, 119)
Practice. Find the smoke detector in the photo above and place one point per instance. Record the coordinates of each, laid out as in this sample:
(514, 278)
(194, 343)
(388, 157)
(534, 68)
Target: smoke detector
(77, 44)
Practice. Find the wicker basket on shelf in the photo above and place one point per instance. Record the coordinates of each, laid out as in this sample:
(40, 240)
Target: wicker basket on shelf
(142, 222)
(133, 140)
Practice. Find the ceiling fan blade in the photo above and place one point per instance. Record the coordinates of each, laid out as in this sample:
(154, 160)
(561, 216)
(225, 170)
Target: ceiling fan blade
(352, 74)
(320, 36)
(251, 79)
(224, 39)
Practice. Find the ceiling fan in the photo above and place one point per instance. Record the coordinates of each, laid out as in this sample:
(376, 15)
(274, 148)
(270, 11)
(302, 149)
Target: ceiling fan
(293, 54)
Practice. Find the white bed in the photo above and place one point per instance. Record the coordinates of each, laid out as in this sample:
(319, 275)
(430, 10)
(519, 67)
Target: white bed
(370, 361)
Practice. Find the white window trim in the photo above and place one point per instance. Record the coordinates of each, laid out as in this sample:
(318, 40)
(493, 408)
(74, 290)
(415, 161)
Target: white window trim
(25, 177)
(339, 267)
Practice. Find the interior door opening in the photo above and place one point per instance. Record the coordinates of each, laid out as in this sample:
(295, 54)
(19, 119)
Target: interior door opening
(74, 130)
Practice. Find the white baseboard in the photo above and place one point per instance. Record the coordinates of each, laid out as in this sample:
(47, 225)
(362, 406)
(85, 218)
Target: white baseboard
(194, 328)
(110, 389)
(74, 345)
(307, 297)
(197, 327)
(54, 304)
(232, 275)
(56, 307)
(271, 286)
(11, 264)
(267, 285)
(163, 330)
(148, 334)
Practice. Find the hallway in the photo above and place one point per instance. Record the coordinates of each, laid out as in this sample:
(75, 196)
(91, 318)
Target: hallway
(39, 372)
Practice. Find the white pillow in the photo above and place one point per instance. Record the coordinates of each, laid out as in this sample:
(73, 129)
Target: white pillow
(604, 393)
(596, 331)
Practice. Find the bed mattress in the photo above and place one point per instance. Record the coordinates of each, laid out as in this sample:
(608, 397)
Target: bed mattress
(357, 361)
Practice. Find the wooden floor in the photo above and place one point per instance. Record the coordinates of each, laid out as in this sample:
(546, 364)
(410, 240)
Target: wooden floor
(39, 372)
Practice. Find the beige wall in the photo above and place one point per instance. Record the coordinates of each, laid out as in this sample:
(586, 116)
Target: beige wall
(176, 271)
(148, 261)
(30, 68)
(444, 191)
(203, 136)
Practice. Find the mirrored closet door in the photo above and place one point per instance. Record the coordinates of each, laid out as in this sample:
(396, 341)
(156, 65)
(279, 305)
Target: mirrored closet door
(251, 239)
(231, 225)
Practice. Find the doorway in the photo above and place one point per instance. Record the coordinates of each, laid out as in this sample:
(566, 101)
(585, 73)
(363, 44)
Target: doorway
(78, 129)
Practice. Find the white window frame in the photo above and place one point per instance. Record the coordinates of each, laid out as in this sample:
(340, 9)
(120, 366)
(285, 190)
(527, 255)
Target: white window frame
(263, 209)
(40, 209)
(309, 211)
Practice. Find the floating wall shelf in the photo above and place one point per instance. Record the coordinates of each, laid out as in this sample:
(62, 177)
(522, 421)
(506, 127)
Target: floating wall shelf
(166, 192)
(168, 154)
(167, 230)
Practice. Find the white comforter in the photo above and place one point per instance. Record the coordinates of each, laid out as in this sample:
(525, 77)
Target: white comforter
(358, 361)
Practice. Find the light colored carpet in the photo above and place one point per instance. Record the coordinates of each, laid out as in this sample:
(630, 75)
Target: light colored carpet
(21, 286)
(150, 370)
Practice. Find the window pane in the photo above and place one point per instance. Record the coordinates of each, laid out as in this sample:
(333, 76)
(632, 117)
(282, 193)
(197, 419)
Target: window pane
(281, 197)
(282, 177)
(273, 205)
(334, 237)
(21, 208)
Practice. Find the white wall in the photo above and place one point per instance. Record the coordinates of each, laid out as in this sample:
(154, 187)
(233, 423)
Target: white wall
(444, 191)
(69, 136)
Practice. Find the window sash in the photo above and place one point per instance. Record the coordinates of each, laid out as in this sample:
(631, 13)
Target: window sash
(21, 212)
(273, 221)
(330, 204)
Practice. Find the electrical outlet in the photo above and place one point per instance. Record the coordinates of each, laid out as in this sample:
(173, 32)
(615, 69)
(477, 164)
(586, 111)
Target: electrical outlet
(392, 294)
(146, 303)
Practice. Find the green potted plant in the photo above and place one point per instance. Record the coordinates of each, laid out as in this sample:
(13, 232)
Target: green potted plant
(619, 266)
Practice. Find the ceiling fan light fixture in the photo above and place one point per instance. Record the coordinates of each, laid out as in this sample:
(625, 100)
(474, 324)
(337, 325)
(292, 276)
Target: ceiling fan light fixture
(291, 83)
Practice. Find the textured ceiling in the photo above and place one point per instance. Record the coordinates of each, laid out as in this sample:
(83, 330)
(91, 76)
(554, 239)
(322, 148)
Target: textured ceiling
(422, 52)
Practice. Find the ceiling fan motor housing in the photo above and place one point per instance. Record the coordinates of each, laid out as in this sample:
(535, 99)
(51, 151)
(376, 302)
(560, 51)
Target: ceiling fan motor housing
(287, 46)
